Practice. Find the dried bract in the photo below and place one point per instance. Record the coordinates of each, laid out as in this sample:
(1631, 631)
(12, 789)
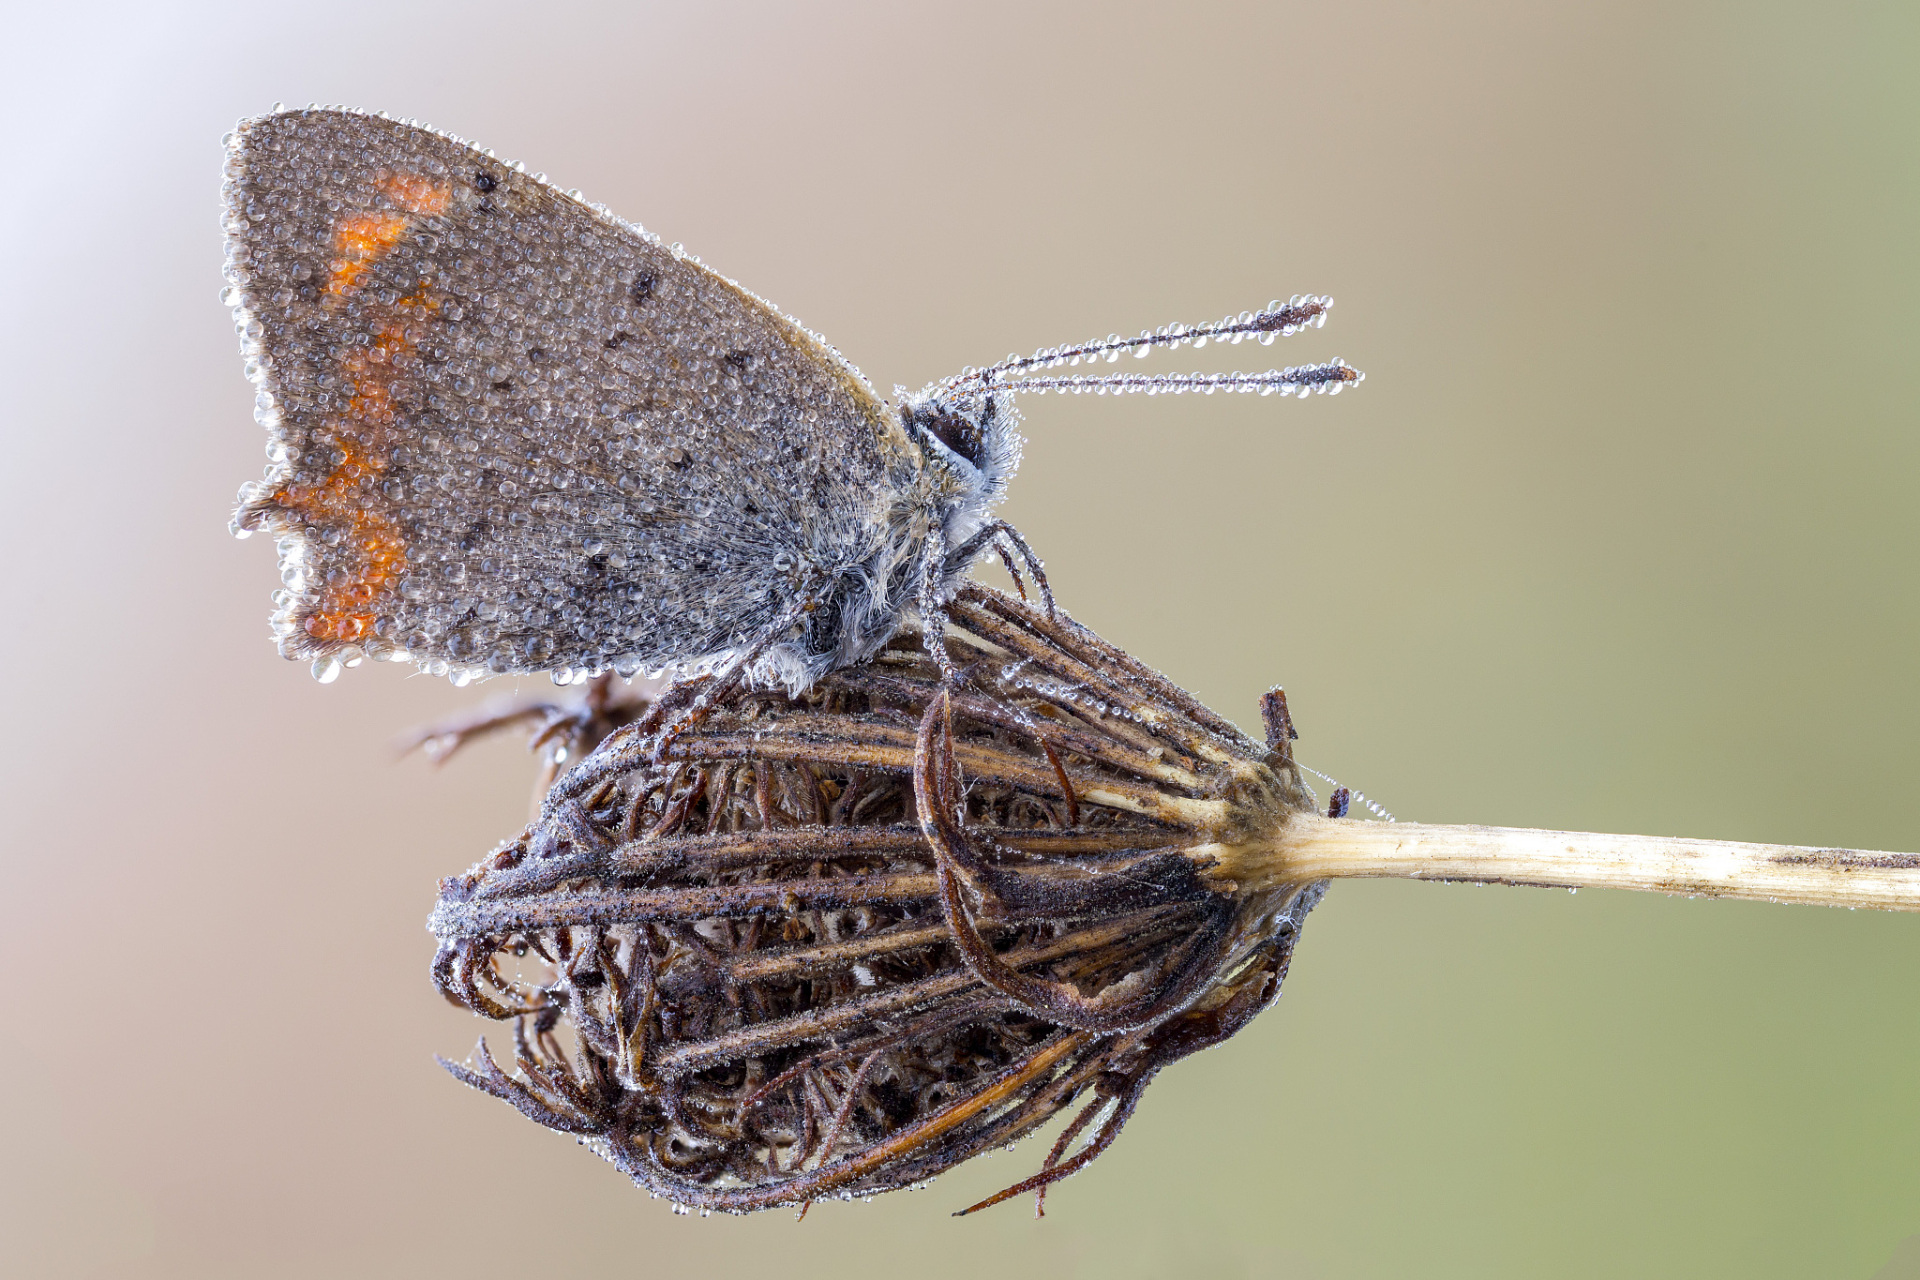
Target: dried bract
(834, 945)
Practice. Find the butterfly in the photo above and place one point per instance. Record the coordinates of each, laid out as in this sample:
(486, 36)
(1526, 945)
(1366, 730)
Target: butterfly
(510, 432)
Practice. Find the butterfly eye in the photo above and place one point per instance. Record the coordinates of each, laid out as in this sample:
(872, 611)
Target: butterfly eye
(957, 432)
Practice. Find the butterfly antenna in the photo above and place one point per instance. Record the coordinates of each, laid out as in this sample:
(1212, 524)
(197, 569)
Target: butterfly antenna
(1278, 320)
(1301, 379)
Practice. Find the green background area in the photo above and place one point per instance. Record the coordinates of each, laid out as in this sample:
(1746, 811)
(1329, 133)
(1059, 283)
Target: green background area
(1618, 535)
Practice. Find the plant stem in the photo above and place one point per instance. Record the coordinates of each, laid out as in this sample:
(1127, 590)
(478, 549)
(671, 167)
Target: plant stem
(1308, 847)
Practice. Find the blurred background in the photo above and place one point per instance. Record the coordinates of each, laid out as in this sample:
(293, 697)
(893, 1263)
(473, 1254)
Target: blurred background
(1618, 535)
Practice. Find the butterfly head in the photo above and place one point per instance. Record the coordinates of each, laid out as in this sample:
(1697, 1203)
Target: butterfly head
(976, 436)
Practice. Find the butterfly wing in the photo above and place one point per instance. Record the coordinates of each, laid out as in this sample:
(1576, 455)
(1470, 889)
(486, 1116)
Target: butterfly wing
(510, 432)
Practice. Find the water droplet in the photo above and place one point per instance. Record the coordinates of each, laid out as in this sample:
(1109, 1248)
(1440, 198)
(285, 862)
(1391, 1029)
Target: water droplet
(327, 669)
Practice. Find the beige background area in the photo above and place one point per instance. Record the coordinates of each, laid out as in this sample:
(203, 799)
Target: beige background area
(1620, 534)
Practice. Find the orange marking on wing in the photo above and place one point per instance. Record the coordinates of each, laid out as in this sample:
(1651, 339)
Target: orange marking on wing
(344, 613)
(360, 240)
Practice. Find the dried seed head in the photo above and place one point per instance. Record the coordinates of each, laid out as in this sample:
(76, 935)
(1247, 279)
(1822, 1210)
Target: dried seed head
(836, 944)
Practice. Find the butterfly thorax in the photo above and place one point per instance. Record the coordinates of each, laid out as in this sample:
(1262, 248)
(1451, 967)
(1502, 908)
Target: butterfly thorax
(961, 456)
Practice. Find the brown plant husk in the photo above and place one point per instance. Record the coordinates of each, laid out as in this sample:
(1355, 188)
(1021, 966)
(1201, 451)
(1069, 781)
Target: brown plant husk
(835, 945)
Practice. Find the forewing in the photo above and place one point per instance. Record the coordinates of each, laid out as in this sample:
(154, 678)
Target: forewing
(510, 432)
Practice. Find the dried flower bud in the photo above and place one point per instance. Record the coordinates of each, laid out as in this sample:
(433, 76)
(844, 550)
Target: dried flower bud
(835, 945)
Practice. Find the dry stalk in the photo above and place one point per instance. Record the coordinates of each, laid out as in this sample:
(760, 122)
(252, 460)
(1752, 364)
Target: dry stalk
(1312, 848)
(835, 945)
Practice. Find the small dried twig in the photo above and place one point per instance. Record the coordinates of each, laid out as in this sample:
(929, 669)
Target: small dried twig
(834, 945)
(560, 733)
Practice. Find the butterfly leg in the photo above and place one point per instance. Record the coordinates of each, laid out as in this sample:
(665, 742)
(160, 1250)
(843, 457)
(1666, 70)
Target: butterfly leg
(1007, 540)
(933, 609)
